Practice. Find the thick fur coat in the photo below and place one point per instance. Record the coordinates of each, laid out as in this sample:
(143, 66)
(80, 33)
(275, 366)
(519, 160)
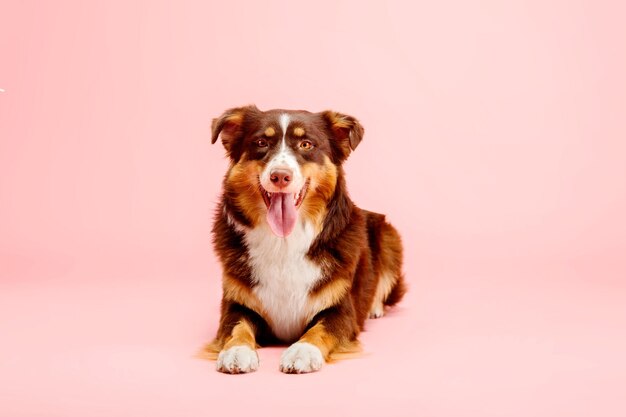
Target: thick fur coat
(302, 265)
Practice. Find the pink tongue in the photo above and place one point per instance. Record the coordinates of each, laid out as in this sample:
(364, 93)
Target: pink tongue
(282, 214)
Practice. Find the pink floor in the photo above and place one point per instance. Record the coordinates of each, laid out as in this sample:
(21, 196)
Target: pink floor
(111, 343)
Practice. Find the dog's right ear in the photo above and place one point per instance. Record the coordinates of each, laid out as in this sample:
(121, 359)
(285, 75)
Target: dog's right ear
(229, 126)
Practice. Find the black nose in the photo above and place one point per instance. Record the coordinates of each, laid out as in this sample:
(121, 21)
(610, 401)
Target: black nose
(281, 177)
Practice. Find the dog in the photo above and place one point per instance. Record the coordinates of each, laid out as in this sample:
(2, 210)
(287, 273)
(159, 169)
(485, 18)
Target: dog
(302, 265)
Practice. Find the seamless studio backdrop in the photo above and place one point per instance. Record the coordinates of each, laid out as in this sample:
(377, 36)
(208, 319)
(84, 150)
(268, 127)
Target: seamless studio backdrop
(494, 142)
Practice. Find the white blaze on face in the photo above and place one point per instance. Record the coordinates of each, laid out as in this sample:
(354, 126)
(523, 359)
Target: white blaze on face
(284, 159)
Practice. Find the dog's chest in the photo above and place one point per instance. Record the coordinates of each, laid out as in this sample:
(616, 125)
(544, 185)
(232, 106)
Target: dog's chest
(283, 276)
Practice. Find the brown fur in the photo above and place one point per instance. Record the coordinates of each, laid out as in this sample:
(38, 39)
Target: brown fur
(359, 253)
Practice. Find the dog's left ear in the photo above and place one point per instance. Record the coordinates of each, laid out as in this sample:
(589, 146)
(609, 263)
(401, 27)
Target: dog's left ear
(346, 129)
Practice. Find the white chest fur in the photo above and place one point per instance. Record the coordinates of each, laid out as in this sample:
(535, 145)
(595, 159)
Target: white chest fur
(283, 276)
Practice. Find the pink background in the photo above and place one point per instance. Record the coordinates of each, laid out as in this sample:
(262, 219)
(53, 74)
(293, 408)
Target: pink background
(495, 141)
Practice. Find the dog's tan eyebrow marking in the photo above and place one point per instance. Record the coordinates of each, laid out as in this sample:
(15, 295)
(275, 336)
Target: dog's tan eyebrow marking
(298, 131)
(269, 132)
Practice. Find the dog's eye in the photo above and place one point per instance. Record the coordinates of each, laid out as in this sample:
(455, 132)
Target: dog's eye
(306, 145)
(261, 143)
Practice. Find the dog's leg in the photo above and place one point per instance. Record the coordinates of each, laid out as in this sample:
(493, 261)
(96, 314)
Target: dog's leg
(388, 258)
(386, 282)
(329, 330)
(309, 353)
(238, 343)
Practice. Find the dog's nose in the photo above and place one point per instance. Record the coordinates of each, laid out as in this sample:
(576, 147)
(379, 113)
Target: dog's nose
(281, 177)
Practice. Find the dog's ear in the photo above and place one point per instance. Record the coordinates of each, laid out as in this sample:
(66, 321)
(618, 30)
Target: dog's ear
(229, 126)
(347, 131)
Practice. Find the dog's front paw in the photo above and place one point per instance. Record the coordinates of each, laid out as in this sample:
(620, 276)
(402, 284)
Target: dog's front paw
(300, 358)
(238, 360)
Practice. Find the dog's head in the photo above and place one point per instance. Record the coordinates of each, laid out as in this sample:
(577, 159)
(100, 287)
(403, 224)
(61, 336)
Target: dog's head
(284, 163)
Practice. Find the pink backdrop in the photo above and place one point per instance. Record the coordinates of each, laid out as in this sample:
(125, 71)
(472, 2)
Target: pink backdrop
(495, 141)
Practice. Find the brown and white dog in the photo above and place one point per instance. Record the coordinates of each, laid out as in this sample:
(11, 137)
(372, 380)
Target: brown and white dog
(301, 263)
